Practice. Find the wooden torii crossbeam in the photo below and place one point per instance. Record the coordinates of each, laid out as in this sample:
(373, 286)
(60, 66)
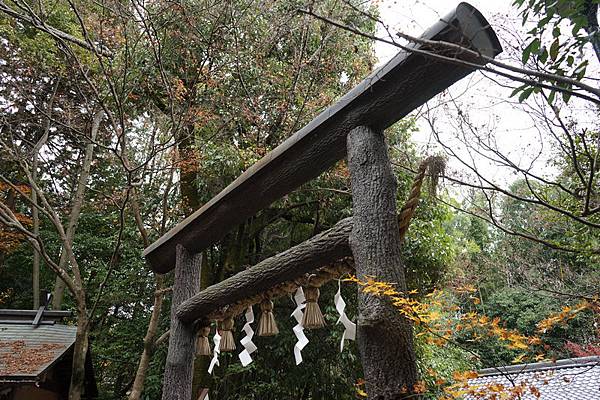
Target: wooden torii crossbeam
(388, 94)
(351, 126)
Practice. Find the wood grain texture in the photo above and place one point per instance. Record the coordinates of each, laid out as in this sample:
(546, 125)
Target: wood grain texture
(384, 337)
(177, 380)
(388, 94)
(325, 248)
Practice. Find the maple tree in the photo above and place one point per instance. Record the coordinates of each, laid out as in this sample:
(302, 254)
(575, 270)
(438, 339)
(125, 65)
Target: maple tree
(441, 322)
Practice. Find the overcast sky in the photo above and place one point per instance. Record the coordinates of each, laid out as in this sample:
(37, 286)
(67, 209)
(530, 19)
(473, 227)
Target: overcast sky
(488, 103)
(415, 16)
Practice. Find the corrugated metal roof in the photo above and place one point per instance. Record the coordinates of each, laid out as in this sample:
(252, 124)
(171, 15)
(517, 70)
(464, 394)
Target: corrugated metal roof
(26, 351)
(570, 379)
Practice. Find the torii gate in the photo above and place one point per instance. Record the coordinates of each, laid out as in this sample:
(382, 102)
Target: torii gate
(354, 127)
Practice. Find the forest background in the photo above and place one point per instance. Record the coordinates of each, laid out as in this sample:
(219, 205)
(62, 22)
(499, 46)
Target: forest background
(121, 118)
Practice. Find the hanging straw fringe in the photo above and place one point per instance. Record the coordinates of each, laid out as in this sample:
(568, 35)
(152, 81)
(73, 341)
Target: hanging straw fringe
(267, 325)
(313, 317)
(202, 344)
(225, 328)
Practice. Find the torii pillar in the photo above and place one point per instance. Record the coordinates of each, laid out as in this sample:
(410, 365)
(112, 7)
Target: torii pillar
(179, 368)
(384, 337)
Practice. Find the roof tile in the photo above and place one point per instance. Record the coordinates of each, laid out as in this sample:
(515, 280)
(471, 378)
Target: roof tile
(27, 351)
(572, 379)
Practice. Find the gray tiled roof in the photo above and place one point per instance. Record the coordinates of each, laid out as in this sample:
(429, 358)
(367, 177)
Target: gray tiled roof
(570, 379)
(27, 351)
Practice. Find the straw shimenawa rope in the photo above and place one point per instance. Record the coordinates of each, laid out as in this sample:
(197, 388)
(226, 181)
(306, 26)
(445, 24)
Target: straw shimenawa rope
(432, 167)
(435, 166)
(321, 276)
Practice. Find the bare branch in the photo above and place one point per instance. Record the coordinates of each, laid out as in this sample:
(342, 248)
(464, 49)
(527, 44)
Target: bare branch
(479, 58)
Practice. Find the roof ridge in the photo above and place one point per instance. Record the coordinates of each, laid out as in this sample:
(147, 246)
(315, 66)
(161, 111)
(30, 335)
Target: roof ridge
(541, 366)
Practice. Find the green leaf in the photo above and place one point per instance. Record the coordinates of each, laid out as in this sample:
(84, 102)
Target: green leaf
(544, 55)
(570, 60)
(542, 22)
(532, 47)
(556, 32)
(517, 90)
(554, 47)
(525, 94)
(526, 54)
(551, 97)
(583, 65)
(566, 96)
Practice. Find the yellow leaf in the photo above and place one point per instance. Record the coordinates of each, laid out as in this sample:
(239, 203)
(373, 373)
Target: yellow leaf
(519, 358)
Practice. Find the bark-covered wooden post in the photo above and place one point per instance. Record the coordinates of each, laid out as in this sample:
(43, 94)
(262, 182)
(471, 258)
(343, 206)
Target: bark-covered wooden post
(384, 337)
(177, 384)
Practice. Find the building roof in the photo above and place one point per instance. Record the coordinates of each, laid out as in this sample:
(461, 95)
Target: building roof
(569, 379)
(27, 351)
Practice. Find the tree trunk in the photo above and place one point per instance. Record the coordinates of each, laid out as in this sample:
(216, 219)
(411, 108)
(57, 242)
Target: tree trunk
(35, 274)
(150, 338)
(384, 337)
(77, 386)
(592, 28)
(149, 341)
(34, 210)
(177, 384)
(188, 176)
(58, 293)
(59, 286)
(202, 379)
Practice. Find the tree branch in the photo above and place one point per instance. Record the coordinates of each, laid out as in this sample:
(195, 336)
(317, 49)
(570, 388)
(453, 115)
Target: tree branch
(42, 26)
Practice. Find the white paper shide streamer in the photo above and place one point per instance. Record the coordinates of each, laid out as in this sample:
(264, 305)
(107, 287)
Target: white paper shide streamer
(350, 327)
(215, 359)
(298, 329)
(249, 346)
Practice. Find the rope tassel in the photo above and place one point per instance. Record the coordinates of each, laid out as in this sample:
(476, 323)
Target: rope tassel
(313, 317)
(267, 325)
(202, 344)
(225, 330)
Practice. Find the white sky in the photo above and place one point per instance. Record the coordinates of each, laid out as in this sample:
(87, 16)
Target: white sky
(488, 103)
(415, 16)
